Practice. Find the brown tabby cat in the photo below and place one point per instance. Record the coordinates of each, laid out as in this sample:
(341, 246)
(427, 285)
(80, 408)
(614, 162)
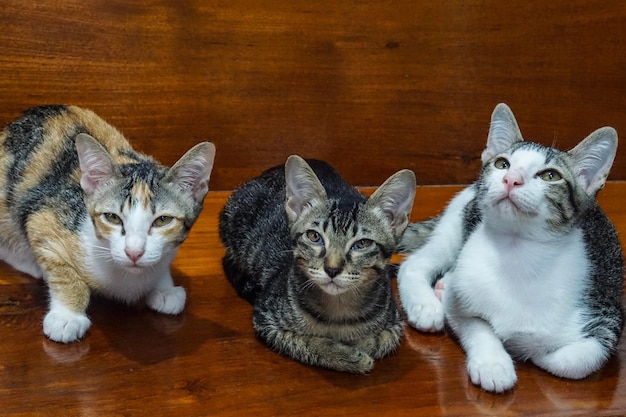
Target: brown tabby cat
(311, 254)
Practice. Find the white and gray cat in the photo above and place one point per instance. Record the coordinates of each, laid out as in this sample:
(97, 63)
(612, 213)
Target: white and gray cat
(523, 264)
(84, 211)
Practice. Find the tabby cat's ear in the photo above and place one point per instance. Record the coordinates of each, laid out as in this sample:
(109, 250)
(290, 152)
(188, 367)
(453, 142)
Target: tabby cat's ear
(593, 158)
(394, 199)
(192, 171)
(303, 188)
(503, 132)
(95, 163)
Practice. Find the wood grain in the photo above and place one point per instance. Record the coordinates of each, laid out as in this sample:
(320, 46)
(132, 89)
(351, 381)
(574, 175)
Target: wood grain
(372, 87)
(134, 362)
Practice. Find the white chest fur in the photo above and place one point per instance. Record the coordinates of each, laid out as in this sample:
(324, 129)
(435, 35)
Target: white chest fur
(528, 291)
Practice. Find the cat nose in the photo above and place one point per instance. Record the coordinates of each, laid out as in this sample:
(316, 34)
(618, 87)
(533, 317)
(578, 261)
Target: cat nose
(332, 272)
(512, 179)
(134, 254)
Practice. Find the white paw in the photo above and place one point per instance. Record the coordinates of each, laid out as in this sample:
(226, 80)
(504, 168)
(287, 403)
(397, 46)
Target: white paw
(171, 301)
(492, 371)
(574, 361)
(65, 326)
(426, 314)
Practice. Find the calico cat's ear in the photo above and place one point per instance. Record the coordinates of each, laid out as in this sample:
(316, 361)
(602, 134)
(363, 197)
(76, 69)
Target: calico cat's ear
(593, 158)
(192, 171)
(303, 188)
(503, 132)
(95, 163)
(395, 199)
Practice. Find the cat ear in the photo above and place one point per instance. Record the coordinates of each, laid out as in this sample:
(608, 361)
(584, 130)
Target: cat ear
(192, 171)
(503, 132)
(395, 199)
(303, 188)
(95, 163)
(594, 157)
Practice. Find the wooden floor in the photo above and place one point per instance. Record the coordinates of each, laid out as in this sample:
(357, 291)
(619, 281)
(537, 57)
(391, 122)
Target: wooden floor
(134, 362)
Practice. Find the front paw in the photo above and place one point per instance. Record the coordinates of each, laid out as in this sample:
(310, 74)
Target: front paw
(427, 314)
(383, 344)
(170, 301)
(492, 371)
(352, 360)
(65, 326)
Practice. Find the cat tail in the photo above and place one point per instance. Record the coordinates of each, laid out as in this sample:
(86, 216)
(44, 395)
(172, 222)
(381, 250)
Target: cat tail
(416, 235)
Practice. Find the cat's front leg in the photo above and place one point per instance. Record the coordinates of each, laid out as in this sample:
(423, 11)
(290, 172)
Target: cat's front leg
(66, 320)
(67, 280)
(315, 350)
(488, 364)
(424, 310)
(384, 343)
(165, 297)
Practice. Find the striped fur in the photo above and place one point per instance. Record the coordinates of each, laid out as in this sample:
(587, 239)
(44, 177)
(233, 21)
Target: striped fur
(83, 210)
(529, 266)
(311, 254)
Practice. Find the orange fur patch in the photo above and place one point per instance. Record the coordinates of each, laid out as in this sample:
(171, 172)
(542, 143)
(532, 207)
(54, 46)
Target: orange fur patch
(59, 254)
(142, 194)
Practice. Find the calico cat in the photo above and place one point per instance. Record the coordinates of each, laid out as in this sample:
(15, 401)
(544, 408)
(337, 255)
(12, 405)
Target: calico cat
(84, 211)
(531, 268)
(310, 253)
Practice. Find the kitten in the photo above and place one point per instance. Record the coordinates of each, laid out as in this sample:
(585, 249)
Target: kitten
(532, 267)
(310, 253)
(84, 211)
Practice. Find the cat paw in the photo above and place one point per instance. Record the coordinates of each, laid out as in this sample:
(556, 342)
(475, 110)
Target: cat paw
(171, 301)
(344, 358)
(357, 363)
(382, 344)
(426, 315)
(65, 326)
(493, 372)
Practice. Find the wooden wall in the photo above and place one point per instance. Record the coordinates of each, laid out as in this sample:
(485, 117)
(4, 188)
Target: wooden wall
(371, 86)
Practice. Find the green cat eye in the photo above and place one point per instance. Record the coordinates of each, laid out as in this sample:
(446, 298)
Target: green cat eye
(362, 244)
(502, 163)
(162, 221)
(550, 175)
(112, 218)
(314, 237)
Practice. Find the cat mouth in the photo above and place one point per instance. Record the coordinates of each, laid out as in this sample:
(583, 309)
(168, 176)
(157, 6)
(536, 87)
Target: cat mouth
(508, 202)
(331, 288)
(134, 268)
(510, 205)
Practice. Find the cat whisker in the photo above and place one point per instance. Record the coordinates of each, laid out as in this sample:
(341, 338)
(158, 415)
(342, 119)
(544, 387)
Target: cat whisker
(306, 285)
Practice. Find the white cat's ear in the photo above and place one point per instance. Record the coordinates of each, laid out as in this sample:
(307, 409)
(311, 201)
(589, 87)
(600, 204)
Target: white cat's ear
(594, 157)
(395, 199)
(192, 171)
(503, 132)
(303, 188)
(95, 163)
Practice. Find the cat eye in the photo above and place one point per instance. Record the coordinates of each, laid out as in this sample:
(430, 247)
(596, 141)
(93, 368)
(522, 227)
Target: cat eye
(550, 175)
(162, 221)
(314, 237)
(502, 163)
(112, 218)
(362, 244)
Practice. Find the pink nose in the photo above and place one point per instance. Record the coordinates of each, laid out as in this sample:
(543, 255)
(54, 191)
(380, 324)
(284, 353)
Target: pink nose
(511, 180)
(134, 254)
